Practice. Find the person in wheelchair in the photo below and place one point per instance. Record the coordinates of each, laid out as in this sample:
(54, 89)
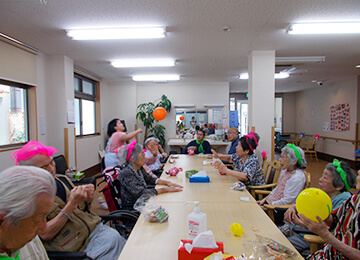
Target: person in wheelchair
(333, 183)
(134, 180)
(71, 226)
(26, 197)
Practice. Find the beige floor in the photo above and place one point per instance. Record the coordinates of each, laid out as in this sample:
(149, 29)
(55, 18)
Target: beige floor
(314, 168)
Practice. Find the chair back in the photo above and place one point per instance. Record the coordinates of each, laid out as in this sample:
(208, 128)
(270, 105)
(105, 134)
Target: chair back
(60, 164)
(271, 170)
(308, 179)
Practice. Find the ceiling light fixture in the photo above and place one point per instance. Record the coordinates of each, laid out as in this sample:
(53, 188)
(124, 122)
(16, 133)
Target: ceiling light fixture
(281, 75)
(142, 63)
(156, 78)
(323, 28)
(357, 66)
(117, 33)
(301, 59)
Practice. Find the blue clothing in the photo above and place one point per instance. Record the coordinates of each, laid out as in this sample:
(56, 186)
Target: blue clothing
(211, 131)
(339, 199)
(206, 146)
(233, 146)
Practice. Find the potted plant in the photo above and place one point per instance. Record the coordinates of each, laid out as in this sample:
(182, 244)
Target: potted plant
(145, 114)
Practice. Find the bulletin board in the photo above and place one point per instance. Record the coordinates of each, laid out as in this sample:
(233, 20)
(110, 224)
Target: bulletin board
(217, 116)
(340, 117)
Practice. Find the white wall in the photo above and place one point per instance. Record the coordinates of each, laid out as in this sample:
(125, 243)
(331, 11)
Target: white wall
(289, 102)
(313, 108)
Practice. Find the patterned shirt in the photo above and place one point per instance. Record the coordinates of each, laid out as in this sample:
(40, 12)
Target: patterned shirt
(252, 169)
(345, 228)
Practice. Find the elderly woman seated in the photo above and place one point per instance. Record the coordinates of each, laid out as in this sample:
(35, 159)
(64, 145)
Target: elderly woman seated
(336, 180)
(134, 179)
(248, 169)
(292, 178)
(153, 155)
(340, 230)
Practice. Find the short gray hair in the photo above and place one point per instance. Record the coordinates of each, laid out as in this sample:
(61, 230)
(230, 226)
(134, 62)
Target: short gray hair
(20, 187)
(122, 154)
(147, 141)
(291, 155)
(337, 181)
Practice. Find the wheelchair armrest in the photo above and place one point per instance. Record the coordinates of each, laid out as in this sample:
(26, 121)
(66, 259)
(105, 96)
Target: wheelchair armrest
(115, 215)
(61, 255)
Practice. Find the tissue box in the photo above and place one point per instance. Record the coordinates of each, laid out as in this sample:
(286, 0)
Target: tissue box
(198, 253)
(199, 179)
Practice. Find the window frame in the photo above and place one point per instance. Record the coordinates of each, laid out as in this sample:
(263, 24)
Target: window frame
(80, 95)
(30, 113)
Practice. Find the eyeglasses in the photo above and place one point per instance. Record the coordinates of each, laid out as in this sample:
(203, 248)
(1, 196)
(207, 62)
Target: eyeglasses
(45, 166)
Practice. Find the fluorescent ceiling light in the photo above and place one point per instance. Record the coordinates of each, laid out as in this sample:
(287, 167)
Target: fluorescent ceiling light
(323, 28)
(357, 66)
(184, 105)
(213, 105)
(168, 77)
(142, 63)
(281, 75)
(301, 59)
(117, 33)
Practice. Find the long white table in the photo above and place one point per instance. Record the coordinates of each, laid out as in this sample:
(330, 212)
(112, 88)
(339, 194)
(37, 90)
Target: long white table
(222, 206)
(219, 146)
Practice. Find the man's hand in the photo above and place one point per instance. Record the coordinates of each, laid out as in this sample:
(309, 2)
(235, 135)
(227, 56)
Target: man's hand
(90, 193)
(215, 154)
(77, 195)
(194, 148)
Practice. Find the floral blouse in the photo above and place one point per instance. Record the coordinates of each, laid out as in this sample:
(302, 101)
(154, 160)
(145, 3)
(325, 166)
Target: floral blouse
(252, 169)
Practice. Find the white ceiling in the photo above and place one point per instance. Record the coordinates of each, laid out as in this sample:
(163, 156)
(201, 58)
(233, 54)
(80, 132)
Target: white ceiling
(204, 52)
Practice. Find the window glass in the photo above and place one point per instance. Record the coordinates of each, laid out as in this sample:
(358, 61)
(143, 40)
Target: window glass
(77, 116)
(77, 84)
(13, 114)
(88, 87)
(85, 106)
(88, 117)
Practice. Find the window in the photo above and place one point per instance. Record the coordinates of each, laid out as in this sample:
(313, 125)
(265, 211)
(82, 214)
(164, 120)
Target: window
(85, 105)
(14, 109)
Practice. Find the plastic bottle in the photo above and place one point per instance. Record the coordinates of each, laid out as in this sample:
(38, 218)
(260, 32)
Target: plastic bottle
(196, 221)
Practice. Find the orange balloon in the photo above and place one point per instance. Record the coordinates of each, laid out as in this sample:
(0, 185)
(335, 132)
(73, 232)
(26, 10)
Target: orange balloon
(159, 113)
(182, 118)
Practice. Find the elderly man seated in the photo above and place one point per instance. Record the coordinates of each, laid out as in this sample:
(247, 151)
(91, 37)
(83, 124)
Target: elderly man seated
(154, 153)
(26, 197)
(199, 145)
(71, 226)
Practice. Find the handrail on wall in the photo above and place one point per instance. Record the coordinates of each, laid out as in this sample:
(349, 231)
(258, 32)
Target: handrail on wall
(330, 138)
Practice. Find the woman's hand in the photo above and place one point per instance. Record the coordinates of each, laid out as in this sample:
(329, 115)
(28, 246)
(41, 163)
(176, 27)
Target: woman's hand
(261, 202)
(174, 189)
(171, 184)
(220, 166)
(139, 131)
(318, 228)
(290, 214)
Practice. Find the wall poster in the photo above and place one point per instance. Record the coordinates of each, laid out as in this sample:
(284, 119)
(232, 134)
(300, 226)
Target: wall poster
(340, 117)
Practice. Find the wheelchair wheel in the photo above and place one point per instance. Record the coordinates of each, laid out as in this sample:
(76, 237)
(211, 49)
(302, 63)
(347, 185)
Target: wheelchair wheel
(124, 222)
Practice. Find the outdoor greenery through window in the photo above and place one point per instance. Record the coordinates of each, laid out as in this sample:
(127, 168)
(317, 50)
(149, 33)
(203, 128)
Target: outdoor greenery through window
(14, 128)
(85, 105)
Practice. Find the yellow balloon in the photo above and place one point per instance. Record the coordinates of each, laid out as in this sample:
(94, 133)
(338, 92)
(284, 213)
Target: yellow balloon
(314, 202)
(236, 229)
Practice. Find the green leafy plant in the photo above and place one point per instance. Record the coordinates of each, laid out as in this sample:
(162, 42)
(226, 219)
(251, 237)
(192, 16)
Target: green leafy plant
(145, 114)
(179, 125)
